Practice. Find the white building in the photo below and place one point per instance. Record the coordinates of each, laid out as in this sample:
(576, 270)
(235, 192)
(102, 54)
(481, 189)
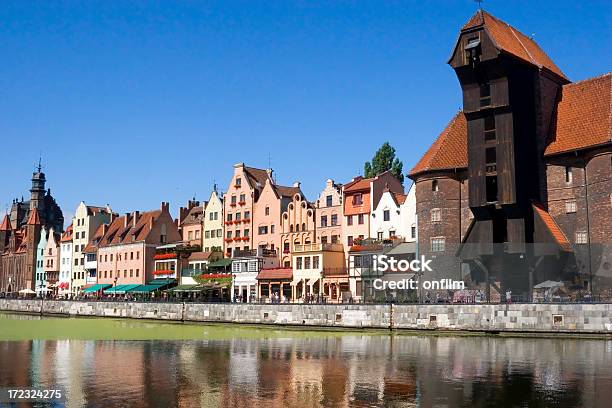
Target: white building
(86, 221)
(395, 216)
(65, 276)
(246, 264)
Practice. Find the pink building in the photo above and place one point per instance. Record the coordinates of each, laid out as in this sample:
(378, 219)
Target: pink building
(329, 214)
(191, 223)
(51, 259)
(126, 251)
(298, 226)
(239, 201)
(273, 201)
(360, 197)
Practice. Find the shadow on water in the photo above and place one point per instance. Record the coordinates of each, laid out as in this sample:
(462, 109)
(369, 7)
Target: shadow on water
(233, 367)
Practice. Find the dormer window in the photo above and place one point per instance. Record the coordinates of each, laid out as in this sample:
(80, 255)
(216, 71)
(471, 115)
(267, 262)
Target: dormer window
(472, 50)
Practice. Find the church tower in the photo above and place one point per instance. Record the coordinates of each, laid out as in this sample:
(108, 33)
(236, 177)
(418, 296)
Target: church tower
(37, 192)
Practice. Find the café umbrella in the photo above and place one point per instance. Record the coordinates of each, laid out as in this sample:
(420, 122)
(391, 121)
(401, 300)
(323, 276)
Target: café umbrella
(27, 291)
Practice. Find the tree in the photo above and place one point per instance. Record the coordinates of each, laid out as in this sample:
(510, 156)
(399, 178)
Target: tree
(384, 160)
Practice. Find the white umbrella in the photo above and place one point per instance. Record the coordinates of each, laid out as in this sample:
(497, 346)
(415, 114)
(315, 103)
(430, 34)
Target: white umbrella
(27, 292)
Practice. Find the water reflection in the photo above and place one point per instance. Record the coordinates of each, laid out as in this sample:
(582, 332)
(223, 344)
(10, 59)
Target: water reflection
(326, 370)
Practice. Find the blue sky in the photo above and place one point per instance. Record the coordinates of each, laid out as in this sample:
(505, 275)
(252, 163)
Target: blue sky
(132, 103)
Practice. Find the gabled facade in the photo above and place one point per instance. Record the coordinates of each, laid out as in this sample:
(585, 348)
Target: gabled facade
(191, 223)
(239, 201)
(41, 277)
(51, 260)
(85, 222)
(213, 223)
(329, 213)
(395, 216)
(65, 275)
(360, 197)
(298, 227)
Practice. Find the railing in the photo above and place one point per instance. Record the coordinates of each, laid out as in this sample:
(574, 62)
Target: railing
(318, 247)
(188, 272)
(244, 253)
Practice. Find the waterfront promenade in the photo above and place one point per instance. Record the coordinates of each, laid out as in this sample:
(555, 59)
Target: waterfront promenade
(579, 319)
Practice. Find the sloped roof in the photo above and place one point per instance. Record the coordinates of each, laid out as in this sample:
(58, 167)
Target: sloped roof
(553, 227)
(358, 183)
(398, 197)
(583, 116)
(511, 41)
(118, 234)
(276, 273)
(34, 218)
(449, 151)
(285, 191)
(6, 224)
(67, 235)
(256, 175)
(194, 216)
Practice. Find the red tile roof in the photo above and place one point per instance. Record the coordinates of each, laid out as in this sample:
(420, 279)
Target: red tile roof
(194, 216)
(278, 273)
(449, 151)
(200, 256)
(511, 41)
(357, 184)
(34, 218)
(6, 224)
(553, 228)
(118, 234)
(67, 235)
(285, 191)
(583, 117)
(399, 198)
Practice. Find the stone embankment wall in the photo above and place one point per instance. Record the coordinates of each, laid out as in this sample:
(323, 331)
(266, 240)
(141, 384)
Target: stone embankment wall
(564, 318)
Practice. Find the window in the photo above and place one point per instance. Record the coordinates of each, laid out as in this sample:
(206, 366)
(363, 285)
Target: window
(272, 229)
(334, 219)
(435, 215)
(360, 219)
(190, 235)
(238, 181)
(386, 215)
(570, 206)
(76, 262)
(238, 216)
(491, 188)
(234, 199)
(229, 217)
(349, 240)
(137, 254)
(247, 215)
(324, 239)
(434, 185)
(392, 233)
(216, 215)
(490, 155)
(582, 238)
(379, 236)
(437, 244)
(568, 175)
(267, 210)
(413, 231)
(324, 220)
(489, 127)
(229, 235)
(298, 262)
(210, 216)
(219, 233)
(328, 201)
(485, 94)
(263, 230)
(206, 234)
(237, 234)
(131, 273)
(246, 232)
(303, 226)
(306, 262)
(242, 198)
(137, 272)
(358, 199)
(334, 239)
(315, 262)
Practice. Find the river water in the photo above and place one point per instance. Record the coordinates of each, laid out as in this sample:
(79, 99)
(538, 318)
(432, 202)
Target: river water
(180, 365)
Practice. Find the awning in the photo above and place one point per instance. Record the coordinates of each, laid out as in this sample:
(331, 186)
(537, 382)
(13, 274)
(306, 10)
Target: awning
(97, 287)
(186, 288)
(119, 289)
(276, 274)
(161, 282)
(144, 289)
(221, 263)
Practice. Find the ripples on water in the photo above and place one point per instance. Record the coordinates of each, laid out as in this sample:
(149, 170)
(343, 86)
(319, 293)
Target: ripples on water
(322, 370)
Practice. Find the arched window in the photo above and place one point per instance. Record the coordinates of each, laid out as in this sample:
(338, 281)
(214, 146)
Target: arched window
(303, 226)
(291, 228)
(434, 185)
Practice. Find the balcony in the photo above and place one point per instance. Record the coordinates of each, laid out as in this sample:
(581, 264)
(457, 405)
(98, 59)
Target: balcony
(245, 253)
(318, 247)
(327, 272)
(241, 202)
(188, 272)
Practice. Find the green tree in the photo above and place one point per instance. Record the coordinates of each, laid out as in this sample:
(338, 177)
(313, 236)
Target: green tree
(384, 160)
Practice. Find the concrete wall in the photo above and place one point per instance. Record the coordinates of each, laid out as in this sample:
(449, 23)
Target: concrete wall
(563, 318)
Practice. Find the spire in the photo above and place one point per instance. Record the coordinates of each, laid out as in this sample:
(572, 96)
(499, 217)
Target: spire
(34, 218)
(6, 223)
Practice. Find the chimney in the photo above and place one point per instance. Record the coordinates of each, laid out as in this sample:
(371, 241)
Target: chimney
(183, 214)
(135, 218)
(112, 217)
(104, 229)
(125, 220)
(165, 207)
